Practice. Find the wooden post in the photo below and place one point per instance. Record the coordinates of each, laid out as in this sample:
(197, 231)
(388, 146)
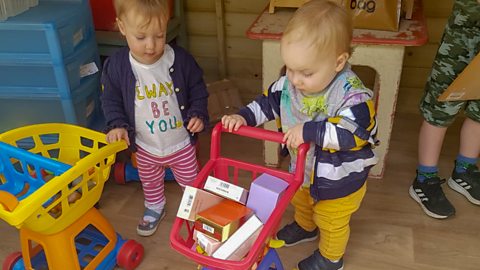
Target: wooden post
(222, 53)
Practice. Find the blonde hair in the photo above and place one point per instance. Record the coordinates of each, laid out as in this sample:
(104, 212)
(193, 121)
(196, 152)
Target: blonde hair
(322, 23)
(149, 9)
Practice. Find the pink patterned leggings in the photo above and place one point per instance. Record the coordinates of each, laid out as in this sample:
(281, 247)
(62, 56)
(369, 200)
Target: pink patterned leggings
(151, 169)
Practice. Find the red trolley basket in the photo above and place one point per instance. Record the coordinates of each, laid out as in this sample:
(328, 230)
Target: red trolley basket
(227, 169)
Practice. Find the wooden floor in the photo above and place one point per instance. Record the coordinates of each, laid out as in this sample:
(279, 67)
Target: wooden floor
(388, 232)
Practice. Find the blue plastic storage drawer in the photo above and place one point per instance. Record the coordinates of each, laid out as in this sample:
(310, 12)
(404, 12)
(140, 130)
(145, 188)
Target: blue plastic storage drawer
(44, 76)
(26, 110)
(52, 30)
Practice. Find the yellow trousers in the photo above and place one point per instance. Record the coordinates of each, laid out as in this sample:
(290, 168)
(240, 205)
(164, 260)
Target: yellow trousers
(332, 217)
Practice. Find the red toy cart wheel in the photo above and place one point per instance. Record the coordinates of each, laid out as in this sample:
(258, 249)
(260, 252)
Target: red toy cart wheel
(119, 173)
(11, 260)
(130, 255)
(229, 170)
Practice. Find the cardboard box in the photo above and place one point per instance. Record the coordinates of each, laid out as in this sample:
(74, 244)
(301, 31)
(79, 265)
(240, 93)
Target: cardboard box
(366, 14)
(222, 220)
(195, 200)
(407, 7)
(238, 245)
(466, 86)
(206, 243)
(226, 189)
(224, 99)
(265, 192)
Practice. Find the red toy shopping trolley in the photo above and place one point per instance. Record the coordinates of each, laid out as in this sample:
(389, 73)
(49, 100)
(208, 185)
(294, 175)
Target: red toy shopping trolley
(229, 170)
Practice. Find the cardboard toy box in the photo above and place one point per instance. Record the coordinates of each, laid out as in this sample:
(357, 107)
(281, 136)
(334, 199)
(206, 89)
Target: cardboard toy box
(238, 245)
(222, 220)
(207, 244)
(265, 192)
(226, 189)
(366, 14)
(467, 85)
(195, 200)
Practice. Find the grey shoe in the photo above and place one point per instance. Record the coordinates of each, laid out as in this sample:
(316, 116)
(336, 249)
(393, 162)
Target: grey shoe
(467, 183)
(293, 234)
(317, 262)
(147, 228)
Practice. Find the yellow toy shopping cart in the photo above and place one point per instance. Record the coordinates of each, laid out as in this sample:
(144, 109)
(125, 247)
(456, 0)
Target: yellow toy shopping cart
(51, 176)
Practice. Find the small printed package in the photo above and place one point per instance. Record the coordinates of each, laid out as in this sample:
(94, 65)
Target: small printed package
(226, 189)
(206, 243)
(238, 245)
(265, 192)
(195, 200)
(222, 220)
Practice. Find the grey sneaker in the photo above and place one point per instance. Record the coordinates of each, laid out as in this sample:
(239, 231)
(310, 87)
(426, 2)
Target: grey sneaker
(429, 195)
(317, 262)
(467, 183)
(293, 234)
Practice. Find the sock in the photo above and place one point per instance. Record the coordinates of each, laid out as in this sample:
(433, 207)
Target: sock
(157, 208)
(424, 172)
(463, 162)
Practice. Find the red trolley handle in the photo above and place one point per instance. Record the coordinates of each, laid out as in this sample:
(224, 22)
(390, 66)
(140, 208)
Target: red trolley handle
(255, 133)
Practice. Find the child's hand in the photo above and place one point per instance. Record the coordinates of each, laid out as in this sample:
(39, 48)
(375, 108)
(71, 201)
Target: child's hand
(195, 125)
(117, 134)
(233, 121)
(294, 137)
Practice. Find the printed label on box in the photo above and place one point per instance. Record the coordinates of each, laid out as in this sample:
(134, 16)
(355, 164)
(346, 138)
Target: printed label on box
(207, 228)
(195, 200)
(225, 189)
(88, 69)
(77, 37)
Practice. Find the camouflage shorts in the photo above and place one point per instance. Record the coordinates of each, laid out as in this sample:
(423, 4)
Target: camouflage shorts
(459, 44)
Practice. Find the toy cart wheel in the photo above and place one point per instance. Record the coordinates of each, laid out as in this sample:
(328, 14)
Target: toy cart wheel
(119, 173)
(11, 260)
(130, 255)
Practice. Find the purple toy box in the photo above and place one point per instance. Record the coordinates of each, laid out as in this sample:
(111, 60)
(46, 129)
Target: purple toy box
(265, 192)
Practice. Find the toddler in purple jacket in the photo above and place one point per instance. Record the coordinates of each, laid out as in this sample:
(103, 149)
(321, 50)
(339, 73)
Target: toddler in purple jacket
(154, 97)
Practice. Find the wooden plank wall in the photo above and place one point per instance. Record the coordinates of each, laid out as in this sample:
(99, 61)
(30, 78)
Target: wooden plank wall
(244, 56)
